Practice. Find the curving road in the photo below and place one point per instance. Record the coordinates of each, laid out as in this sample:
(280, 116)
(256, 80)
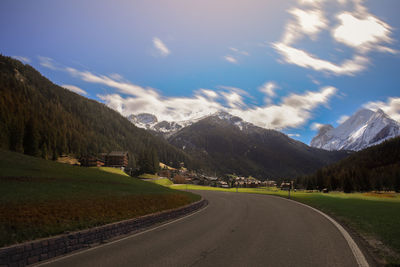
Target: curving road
(234, 230)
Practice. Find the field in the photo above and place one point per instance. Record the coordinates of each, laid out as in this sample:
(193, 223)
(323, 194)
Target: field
(375, 216)
(162, 181)
(40, 198)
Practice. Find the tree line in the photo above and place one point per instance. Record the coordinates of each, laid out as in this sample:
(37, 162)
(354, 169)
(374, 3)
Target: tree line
(375, 168)
(42, 119)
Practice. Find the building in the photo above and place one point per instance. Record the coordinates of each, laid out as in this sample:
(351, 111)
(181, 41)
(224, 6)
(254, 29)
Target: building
(90, 161)
(117, 159)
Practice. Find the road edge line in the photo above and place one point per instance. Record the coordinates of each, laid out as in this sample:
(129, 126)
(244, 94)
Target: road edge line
(43, 263)
(357, 253)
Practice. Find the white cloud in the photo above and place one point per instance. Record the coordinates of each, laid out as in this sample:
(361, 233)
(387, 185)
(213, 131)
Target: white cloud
(391, 107)
(316, 126)
(23, 59)
(362, 34)
(303, 59)
(269, 89)
(231, 59)
(161, 48)
(240, 52)
(235, 54)
(342, 119)
(357, 29)
(48, 63)
(293, 111)
(294, 135)
(74, 89)
(309, 21)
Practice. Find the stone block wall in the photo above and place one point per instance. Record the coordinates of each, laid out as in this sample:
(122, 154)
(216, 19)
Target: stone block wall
(44, 249)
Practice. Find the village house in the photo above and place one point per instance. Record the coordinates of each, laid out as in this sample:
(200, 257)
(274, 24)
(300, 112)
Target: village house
(91, 161)
(117, 159)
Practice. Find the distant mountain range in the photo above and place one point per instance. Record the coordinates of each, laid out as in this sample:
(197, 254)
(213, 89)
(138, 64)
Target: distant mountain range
(165, 128)
(363, 129)
(228, 144)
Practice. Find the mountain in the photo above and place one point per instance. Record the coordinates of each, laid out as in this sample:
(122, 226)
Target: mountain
(40, 118)
(365, 128)
(160, 128)
(227, 144)
(374, 168)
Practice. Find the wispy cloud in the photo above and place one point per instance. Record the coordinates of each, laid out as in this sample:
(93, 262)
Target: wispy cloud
(74, 89)
(231, 59)
(160, 47)
(23, 59)
(48, 63)
(391, 107)
(315, 126)
(293, 110)
(235, 54)
(357, 29)
(342, 119)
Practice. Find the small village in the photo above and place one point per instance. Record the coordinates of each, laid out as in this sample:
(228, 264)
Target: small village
(120, 159)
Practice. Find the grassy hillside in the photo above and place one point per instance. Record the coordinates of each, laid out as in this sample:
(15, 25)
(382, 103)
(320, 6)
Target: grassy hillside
(40, 198)
(374, 216)
(40, 118)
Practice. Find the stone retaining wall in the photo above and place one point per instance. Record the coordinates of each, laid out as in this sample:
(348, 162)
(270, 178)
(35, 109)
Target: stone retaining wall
(44, 249)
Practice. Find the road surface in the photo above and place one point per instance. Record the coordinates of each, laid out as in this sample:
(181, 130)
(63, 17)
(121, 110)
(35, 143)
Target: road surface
(234, 230)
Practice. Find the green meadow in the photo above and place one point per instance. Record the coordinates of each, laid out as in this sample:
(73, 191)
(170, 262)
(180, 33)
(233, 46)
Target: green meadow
(162, 181)
(40, 198)
(375, 216)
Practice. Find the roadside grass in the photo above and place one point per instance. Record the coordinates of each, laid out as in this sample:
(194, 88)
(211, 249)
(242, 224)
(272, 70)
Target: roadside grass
(148, 176)
(162, 181)
(40, 198)
(375, 216)
(112, 170)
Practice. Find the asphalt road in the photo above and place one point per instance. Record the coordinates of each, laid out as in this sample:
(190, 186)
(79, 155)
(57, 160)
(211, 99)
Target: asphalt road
(234, 230)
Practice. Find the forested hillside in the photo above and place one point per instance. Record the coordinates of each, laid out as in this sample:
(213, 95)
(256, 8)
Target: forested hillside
(42, 119)
(250, 150)
(374, 168)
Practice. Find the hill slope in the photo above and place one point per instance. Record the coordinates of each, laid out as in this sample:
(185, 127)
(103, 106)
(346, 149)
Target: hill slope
(374, 168)
(40, 198)
(230, 145)
(40, 118)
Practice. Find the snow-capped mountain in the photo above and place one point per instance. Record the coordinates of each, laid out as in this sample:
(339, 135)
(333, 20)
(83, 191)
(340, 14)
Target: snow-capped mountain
(150, 122)
(363, 129)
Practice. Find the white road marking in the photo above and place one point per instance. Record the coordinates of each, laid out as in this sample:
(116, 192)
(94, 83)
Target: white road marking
(119, 240)
(358, 255)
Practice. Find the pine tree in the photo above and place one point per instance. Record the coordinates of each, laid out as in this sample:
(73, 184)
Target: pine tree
(31, 138)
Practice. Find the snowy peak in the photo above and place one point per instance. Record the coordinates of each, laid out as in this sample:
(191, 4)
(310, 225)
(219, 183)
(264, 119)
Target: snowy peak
(143, 120)
(150, 122)
(365, 128)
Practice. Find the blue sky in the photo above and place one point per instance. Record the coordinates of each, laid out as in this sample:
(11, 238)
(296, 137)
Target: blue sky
(286, 65)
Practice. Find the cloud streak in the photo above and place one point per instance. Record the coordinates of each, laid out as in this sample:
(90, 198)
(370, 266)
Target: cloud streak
(391, 107)
(357, 29)
(23, 59)
(74, 89)
(160, 47)
(293, 110)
